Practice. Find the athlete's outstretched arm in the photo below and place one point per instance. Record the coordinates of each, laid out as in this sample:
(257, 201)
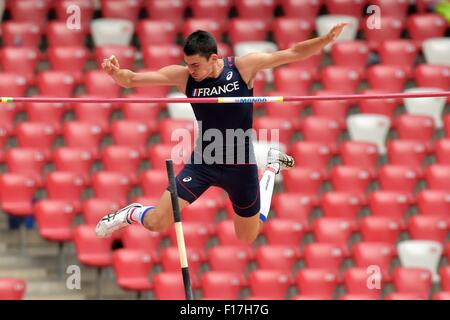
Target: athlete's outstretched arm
(172, 75)
(255, 62)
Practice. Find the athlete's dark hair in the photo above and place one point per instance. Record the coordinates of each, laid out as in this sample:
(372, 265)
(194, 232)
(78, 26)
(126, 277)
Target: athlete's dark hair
(200, 42)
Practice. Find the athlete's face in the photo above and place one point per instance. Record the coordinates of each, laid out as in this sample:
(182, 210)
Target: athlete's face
(200, 67)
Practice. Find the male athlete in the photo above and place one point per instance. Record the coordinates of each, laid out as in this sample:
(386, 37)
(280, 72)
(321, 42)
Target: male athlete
(207, 75)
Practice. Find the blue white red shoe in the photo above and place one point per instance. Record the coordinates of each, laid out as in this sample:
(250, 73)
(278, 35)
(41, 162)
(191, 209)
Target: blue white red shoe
(115, 221)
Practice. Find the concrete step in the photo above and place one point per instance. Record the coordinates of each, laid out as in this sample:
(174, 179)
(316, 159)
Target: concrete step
(75, 296)
(28, 274)
(44, 287)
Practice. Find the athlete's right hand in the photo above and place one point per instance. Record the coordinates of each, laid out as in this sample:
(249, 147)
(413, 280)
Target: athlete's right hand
(111, 65)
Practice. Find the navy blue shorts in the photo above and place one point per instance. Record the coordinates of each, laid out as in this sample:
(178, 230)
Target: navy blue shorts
(241, 182)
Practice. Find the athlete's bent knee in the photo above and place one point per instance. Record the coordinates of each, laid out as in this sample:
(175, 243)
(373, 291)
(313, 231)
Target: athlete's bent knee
(247, 237)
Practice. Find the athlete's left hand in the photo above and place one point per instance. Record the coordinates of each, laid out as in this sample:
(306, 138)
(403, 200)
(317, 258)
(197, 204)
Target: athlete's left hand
(336, 31)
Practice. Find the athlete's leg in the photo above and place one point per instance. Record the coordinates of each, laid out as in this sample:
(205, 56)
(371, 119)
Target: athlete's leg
(248, 221)
(191, 182)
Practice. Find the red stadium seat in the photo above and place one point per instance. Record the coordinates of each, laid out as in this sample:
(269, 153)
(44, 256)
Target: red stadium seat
(12, 85)
(386, 77)
(333, 230)
(122, 159)
(425, 26)
(301, 9)
(48, 113)
(316, 282)
(92, 250)
(75, 160)
(95, 114)
(292, 80)
(328, 256)
(357, 297)
(447, 126)
(202, 210)
(351, 54)
(350, 179)
(404, 296)
(55, 84)
(207, 9)
(428, 75)
(413, 281)
(157, 56)
(36, 135)
(401, 53)
(438, 177)
(269, 283)
(166, 10)
(287, 31)
(26, 161)
(30, 11)
(226, 234)
(22, 61)
(136, 237)
(69, 59)
(398, 178)
(393, 8)
(390, 29)
(388, 204)
(58, 35)
(345, 7)
(319, 129)
(130, 133)
(273, 129)
(87, 8)
(340, 78)
(415, 127)
(144, 112)
(231, 258)
(125, 55)
(112, 186)
(3, 139)
(310, 65)
(434, 228)
(168, 285)
(442, 295)
(292, 206)
(170, 259)
(94, 209)
(303, 180)
(54, 219)
(12, 288)
(433, 202)
(386, 107)
(196, 235)
(16, 194)
(20, 34)
(380, 254)
(290, 111)
(340, 205)
(312, 155)
(359, 154)
(355, 282)
(221, 285)
(132, 269)
(255, 9)
(213, 26)
(151, 32)
(65, 186)
(242, 29)
(334, 110)
(98, 83)
(154, 182)
(444, 273)
(380, 229)
(83, 135)
(168, 126)
(120, 9)
(7, 118)
(407, 153)
(276, 257)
